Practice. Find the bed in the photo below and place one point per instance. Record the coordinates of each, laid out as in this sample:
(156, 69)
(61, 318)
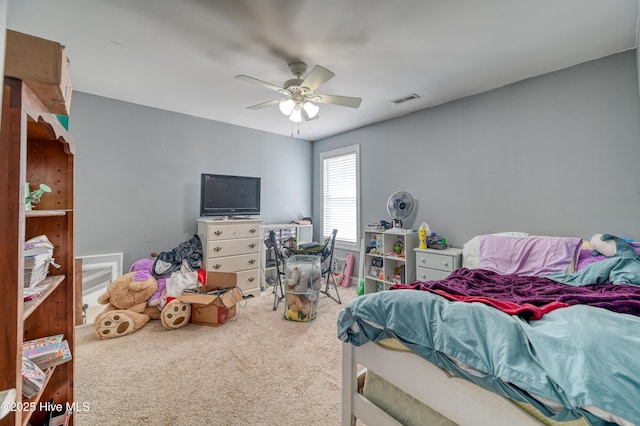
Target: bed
(501, 341)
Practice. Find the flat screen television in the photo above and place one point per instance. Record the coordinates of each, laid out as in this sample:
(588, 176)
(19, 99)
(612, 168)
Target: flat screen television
(225, 195)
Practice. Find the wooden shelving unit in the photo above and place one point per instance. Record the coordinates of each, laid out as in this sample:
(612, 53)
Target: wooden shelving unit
(36, 149)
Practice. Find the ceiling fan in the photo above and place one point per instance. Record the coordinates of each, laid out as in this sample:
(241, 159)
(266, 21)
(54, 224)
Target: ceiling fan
(299, 94)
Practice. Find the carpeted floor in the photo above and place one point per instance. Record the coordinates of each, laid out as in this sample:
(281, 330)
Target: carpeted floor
(257, 370)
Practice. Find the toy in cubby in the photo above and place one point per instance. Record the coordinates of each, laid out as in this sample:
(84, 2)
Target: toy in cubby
(303, 281)
(376, 245)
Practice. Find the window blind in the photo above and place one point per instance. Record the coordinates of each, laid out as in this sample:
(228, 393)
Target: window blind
(340, 196)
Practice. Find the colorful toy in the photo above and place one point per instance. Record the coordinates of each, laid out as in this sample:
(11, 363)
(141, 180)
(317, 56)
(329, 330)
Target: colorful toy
(33, 197)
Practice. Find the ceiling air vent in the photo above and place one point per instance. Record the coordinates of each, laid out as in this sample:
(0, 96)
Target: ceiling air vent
(404, 99)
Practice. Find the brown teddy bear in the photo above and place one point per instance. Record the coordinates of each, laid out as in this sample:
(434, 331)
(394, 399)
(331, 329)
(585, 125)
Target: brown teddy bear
(127, 309)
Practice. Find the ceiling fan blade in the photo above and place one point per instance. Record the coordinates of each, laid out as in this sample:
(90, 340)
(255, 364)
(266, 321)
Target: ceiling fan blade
(262, 83)
(265, 104)
(317, 77)
(337, 100)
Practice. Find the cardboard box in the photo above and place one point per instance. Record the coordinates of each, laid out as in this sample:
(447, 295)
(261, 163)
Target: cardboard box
(43, 66)
(213, 309)
(220, 280)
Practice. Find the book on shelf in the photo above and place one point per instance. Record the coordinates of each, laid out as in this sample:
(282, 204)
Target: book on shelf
(57, 414)
(53, 357)
(42, 343)
(33, 378)
(47, 351)
(61, 419)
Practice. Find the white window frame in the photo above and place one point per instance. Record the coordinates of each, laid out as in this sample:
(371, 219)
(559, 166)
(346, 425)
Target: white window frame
(349, 150)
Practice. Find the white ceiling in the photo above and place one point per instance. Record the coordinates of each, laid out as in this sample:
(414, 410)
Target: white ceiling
(182, 56)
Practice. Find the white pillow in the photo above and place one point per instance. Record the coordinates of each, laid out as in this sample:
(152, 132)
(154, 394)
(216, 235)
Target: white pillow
(471, 249)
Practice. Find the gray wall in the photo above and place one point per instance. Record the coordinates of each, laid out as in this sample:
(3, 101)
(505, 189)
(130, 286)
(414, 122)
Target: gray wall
(638, 44)
(138, 174)
(553, 155)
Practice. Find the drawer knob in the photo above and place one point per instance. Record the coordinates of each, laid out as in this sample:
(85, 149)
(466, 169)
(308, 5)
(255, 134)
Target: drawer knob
(252, 245)
(217, 266)
(251, 279)
(252, 261)
(253, 230)
(217, 249)
(423, 260)
(445, 263)
(218, 232)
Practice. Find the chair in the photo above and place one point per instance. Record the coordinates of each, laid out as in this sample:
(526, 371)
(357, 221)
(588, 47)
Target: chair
(272, 242)
(325, 251)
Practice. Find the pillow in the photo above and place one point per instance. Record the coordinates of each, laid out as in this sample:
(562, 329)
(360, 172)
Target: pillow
(528, 256)
(471, 249)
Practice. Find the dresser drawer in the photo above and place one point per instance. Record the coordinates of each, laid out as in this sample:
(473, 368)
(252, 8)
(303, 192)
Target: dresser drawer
(428, 274)
(223, 248)
(441, 262)
(226, 231)
(248, 280)
(233, 263)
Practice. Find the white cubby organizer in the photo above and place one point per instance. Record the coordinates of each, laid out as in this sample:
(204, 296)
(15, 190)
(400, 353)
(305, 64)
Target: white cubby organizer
(397, 266)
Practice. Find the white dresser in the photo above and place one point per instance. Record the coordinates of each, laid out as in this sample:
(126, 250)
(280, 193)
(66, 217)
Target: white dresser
(233, 246)
(432, 264)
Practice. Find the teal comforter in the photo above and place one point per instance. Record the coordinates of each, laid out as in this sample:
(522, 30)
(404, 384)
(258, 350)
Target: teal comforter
(616, 270)
(578, 356)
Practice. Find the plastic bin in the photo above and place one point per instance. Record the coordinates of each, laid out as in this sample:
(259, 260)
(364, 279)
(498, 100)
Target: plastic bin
(303, 282)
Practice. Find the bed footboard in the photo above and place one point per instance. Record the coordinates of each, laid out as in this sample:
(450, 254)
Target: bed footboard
(463, 402)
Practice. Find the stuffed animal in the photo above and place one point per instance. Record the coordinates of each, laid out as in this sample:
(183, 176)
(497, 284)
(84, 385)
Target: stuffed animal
(298, 303)
(304, 277)
(127, 309)
(299, 307)
(610, 246)
(159, 297)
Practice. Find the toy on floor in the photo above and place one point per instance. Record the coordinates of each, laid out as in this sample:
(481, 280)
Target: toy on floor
(127, 309)
(159, 297)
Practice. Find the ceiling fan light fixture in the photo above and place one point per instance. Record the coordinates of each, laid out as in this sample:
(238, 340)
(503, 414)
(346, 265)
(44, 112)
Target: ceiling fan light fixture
(286, 107)
(311, 109)
(296, 115)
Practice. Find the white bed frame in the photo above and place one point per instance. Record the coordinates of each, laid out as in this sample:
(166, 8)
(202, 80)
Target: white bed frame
(461, 401)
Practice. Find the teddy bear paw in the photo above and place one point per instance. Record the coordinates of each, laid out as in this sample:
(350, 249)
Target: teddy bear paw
(118, 323)
(175, 314)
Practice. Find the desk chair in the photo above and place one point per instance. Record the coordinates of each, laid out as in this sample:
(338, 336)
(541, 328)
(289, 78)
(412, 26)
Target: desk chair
(271, 242)
(325, 251)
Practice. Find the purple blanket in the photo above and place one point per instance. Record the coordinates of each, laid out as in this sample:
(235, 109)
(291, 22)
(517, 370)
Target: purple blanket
(535, 290)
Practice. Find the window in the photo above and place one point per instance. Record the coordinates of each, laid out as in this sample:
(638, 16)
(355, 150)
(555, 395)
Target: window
(340, 182)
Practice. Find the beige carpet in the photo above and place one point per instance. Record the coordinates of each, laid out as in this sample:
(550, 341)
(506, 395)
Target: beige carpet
(257, 370)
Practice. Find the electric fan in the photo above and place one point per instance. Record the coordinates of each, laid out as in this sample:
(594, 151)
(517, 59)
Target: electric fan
(399, 206)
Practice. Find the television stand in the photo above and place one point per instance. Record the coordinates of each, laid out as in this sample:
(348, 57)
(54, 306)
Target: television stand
(232, 246)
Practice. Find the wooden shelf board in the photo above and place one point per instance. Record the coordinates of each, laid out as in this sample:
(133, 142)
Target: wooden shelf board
(48, 285)
(46, 213)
